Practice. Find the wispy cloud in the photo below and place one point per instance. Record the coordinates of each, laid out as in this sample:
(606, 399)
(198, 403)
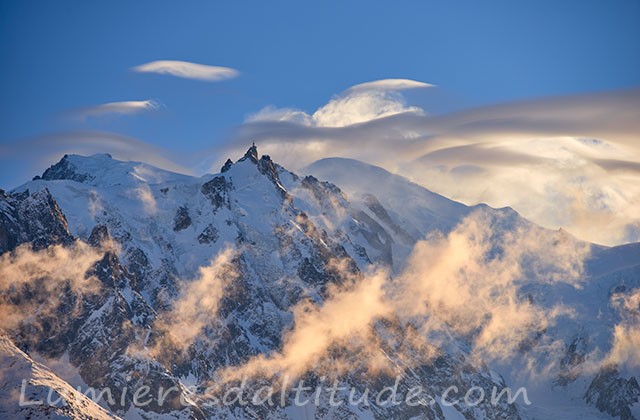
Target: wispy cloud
(200, 299)
(187, 70)
(144, 195)
(117, 108)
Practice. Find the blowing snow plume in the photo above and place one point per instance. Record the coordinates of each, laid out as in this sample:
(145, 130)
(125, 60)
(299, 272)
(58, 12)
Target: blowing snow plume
(345, 320)
(197, 305)
(470, 282)
(466, 283)
(36, 285)
(626, 334)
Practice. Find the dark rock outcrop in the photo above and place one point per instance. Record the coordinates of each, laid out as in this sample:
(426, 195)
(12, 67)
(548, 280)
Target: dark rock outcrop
(35, 218)
(216, 191)
(227, 165)
(65, 170)
(182, 220)
(613, 395)
(209, 235)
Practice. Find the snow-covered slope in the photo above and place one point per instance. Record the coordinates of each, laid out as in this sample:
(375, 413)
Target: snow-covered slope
(419, 209)
(406, 210)
(29, 390)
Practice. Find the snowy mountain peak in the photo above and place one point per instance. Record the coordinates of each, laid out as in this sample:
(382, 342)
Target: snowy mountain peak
(264, 165)
(102, 170)
(67, 169)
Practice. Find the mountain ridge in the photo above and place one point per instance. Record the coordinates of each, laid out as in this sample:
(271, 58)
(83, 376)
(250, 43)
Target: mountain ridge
(289, 229)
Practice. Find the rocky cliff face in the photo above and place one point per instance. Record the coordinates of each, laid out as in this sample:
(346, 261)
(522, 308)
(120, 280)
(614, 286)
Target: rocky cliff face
(612, 394)
(34, 217)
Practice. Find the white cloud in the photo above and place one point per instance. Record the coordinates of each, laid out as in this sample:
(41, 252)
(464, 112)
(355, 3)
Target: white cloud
(316, 329)
(118, 108)
(390, 85)
(271, 113)
(187, 70)
(358, 104)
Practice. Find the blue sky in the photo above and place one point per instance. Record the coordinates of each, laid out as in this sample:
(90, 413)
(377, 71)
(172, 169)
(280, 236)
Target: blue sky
(60, 56)
(518, 84)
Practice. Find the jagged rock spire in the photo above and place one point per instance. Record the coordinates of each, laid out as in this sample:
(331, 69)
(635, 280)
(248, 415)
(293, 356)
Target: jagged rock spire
(251, 154)
(227, 165)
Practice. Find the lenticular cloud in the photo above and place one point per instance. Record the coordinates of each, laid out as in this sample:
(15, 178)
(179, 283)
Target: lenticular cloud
(187, 70)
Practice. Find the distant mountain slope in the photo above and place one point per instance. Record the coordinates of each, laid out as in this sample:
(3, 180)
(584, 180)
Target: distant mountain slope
(423, 209)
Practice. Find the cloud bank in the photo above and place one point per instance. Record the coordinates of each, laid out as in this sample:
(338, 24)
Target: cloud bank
(187, 70)
(569, 161)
